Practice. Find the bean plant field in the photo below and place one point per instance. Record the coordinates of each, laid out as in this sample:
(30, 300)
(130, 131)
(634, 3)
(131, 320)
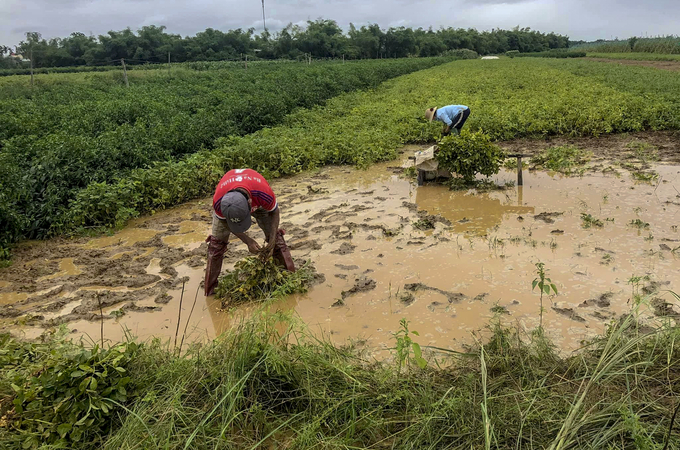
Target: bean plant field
(512, 99)
(72, 131)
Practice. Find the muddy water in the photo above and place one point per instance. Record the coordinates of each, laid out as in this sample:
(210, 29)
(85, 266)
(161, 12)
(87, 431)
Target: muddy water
(358, 229)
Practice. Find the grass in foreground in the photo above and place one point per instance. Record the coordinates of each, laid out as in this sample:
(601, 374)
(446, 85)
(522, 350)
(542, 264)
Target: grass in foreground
(270, 385)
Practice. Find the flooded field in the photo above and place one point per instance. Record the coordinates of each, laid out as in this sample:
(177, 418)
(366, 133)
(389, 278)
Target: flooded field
(448, 261)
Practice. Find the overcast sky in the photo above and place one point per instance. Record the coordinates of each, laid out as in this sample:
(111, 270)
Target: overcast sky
(579, 19)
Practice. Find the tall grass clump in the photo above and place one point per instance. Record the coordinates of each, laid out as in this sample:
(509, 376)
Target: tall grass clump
(270, 384)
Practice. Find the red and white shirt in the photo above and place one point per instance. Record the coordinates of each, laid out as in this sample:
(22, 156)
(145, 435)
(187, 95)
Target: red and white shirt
(258, 189)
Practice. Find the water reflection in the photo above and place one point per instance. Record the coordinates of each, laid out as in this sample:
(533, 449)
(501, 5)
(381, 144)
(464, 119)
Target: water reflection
(469, 213)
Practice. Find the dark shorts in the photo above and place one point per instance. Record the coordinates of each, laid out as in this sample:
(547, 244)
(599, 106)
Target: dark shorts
(460, 119)
(220, 228)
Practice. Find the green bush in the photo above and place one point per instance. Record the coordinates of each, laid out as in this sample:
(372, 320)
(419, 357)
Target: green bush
(512, 53)
(462, 53)
(62, 393)
(469, 154)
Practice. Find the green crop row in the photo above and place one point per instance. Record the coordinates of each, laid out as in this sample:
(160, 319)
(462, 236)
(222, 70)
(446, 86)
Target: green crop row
(508, 98)
(72, 130)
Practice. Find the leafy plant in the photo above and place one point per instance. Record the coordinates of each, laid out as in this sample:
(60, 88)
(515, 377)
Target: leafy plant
(72, 397)
(254, 280)
(588, 221)
(545, 286)
(469, 154)
(406, 346)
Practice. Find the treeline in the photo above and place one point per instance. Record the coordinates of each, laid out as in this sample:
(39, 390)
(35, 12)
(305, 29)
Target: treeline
(320, 39)
(661, 45)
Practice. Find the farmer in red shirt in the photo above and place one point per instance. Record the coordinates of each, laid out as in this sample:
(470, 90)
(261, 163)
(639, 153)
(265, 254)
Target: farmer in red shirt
(240, 194)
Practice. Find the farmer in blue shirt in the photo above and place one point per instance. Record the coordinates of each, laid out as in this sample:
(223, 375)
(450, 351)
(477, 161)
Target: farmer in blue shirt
(453, 116)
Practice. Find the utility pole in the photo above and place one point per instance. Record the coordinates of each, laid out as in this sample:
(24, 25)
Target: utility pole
(31, 64)
(127, 83)
(264, 20)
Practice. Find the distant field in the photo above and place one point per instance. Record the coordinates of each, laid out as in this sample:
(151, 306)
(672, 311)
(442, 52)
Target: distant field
(636, 56)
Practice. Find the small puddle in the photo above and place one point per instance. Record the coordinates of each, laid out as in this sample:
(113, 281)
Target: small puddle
(66, 268)
(477, 262)
(128, 236)
(9, 298)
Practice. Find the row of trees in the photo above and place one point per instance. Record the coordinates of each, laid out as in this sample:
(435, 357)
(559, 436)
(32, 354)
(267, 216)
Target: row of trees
(321, 39)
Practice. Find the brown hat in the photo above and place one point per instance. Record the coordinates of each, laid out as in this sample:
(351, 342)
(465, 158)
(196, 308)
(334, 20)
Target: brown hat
(429, 113)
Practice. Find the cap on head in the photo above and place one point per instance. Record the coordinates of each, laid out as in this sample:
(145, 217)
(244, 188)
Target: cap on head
(235, 209)
(429, 113)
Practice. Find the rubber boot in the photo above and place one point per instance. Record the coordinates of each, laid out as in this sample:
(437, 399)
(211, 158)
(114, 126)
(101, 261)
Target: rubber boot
(282, 253)
(216, 250)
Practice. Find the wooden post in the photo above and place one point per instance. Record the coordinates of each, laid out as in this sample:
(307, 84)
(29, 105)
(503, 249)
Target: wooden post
(31, 65)
(168, 62)
(520, 181)
(343, 58)
(127, 83)
(246, 62)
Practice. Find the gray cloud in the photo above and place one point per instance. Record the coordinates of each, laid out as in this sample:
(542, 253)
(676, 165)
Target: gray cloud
(580, 19)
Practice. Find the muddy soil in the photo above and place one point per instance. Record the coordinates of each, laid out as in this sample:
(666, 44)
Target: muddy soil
(664, 65)
(473, 261)
(605, 148)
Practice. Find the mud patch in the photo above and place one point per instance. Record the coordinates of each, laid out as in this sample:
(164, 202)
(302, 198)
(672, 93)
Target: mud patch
(603, 301)
(362, 284)
(345, 249)
(569, 313)
(548, 217)
(452, 297)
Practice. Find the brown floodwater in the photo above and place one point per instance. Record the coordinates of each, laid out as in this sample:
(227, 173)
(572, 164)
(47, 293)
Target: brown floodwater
(477, 263)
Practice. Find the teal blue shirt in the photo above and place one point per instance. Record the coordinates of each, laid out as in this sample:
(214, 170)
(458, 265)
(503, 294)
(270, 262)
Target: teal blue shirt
(448, 113)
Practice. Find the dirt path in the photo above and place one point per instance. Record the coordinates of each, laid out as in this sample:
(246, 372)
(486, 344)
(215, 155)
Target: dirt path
(362, 230)
(664, 65)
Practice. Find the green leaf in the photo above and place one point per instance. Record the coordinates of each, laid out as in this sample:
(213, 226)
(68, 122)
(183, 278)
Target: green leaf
(85, 368)
(416, 350)
(93, 383)
(63, 429)
(554, 288)
(416, 333)
(77, 373)
(421, 363)
(28, 443)
(533, 285)
(546, 289)
(83, 420)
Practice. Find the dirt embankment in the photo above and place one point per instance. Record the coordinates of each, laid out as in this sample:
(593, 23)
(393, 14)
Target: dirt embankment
(611, 147)
(664, 65)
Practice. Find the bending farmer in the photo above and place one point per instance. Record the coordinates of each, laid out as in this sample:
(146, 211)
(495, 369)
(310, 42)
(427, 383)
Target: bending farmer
(240, 193)
(453, 116)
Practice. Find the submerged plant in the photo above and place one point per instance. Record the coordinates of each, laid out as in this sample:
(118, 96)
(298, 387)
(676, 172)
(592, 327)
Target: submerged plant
(588, 221)
(639, 224)
(563, 159)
